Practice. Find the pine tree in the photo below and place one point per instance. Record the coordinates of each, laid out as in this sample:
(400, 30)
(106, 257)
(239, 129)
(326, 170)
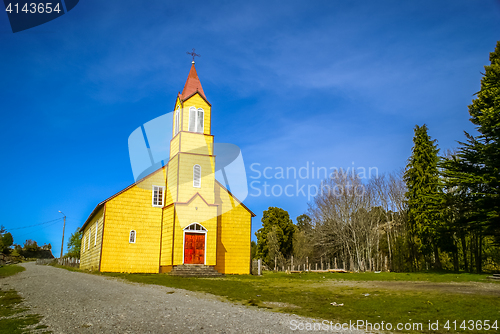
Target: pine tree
(422, 181)
(480, 161)
(474, 172)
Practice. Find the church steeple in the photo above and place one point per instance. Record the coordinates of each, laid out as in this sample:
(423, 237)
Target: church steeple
(192, 85)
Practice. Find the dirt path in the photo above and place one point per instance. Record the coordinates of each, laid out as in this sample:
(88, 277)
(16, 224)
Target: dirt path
(73, 302)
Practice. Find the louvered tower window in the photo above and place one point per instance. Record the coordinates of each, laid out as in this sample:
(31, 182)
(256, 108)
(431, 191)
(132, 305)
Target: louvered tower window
(200, 121)
(196, 120)
(197, 176)
(177, 120)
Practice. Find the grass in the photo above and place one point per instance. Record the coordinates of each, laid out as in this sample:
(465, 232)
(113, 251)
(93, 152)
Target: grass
(10, 270)
(311, 295)
(13, 320)
(389, 297)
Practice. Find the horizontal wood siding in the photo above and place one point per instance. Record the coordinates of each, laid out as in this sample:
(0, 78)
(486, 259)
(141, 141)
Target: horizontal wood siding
(90, 253)
(133, 210)
(233, 243)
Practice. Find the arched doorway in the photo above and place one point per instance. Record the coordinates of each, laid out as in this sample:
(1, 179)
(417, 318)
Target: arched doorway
(194, 244)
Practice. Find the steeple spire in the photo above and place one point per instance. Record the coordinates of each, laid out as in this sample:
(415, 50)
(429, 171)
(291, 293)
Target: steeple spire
(192, 85)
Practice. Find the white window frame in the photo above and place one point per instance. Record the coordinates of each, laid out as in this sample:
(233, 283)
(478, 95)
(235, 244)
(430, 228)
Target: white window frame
(130, 241)
(96, 228)
(83, 244)
(196, 184)
(177, 120)
(156, 204)
(88, 238)
(198, 119)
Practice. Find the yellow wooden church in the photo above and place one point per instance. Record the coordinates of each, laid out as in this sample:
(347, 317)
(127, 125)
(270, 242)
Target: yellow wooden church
(179, 215)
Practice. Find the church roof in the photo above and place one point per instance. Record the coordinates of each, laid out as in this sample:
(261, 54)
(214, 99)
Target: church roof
(193, 85)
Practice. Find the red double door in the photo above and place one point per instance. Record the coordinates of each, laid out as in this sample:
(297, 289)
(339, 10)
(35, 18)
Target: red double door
(194, 248)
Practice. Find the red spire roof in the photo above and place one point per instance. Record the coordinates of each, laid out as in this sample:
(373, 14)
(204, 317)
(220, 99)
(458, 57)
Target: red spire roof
(192, 85)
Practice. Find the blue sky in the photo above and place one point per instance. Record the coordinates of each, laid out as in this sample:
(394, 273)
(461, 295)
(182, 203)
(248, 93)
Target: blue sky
(337, 83)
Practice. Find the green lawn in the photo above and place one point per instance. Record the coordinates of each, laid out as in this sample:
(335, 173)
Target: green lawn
(11, 319)
(389, 297)
(10, 270)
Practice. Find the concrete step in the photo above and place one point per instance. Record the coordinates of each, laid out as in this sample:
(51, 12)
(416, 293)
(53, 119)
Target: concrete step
(195, 271)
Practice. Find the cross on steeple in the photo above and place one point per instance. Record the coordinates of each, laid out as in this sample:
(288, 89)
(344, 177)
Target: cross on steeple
(193, 54)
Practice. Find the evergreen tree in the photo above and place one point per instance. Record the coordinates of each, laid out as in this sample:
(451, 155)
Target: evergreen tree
(277, 222)
(473, 174)
(422, 182)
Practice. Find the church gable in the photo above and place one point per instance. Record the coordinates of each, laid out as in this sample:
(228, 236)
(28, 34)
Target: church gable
(227, 200)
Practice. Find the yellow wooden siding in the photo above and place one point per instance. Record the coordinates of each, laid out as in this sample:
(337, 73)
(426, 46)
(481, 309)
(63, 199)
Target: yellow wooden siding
(198, 102)
(233, 242)
(196, 143)
(172, 180)
(197, 211)
(167, 236)
(133, 210)
(186, 189)
(174, 145)
(90, 253)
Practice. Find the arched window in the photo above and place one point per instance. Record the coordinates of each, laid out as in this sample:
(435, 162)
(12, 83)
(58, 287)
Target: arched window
(197, 176)
(177, 120)
(196, 120)
(131, 238)
(195, 227)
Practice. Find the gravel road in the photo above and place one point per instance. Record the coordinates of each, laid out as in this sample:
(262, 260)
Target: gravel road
(73, 302)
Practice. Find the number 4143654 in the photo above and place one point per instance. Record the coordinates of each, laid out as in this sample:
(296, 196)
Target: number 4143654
(471, 325)
(33, 8)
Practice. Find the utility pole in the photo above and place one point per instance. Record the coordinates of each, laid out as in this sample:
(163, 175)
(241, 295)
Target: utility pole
(64, 226)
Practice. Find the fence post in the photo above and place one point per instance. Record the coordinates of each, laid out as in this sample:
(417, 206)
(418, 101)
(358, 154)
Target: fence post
(275, 261)
(292, 263)
(307, 262)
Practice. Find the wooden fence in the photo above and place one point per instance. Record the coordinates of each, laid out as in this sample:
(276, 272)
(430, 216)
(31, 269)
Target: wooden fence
(65, 261)
(327, 264)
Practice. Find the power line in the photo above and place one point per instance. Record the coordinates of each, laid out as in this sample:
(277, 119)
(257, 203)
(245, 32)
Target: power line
(18, 228)
(28, 233)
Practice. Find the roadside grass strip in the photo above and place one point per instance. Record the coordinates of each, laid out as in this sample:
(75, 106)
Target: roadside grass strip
(13, 317)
